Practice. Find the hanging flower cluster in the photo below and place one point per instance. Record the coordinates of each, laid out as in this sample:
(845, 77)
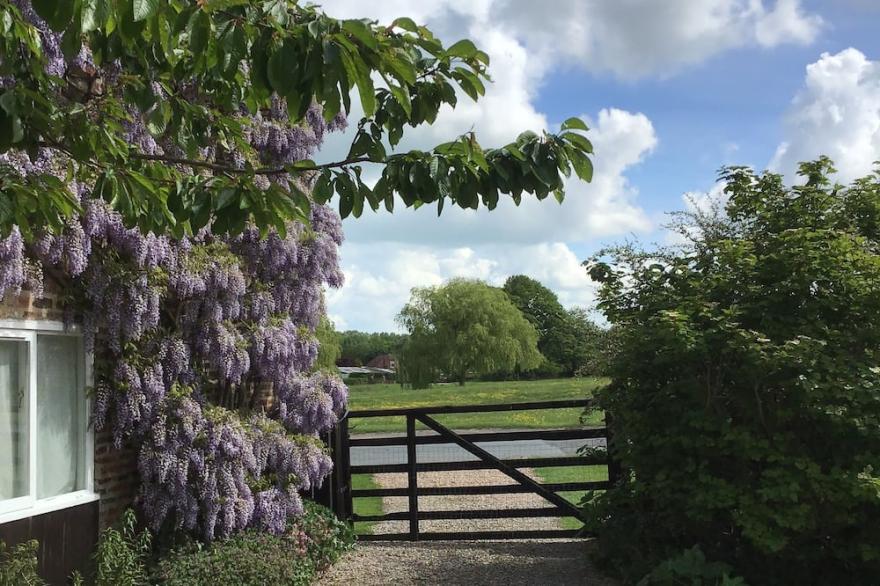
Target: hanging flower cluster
(187, 332)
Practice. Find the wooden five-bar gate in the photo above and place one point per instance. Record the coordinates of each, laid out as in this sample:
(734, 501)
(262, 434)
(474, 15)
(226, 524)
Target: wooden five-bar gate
(340, 495)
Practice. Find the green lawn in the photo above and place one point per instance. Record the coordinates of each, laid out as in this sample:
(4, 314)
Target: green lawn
(371, 505)
(477, 393)
(572, 474)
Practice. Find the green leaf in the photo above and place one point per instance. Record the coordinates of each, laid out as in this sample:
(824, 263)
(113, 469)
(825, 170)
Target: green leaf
(583, 166)
(71, 41)
(469, 82)
(56, 13)
(199, 32)
(259, 65)
(322, 192)
(401, 94)
(144, 9)
(579, 141)
(358, 72)
(359, 30)
(406, 24)
(575, 123)
(402, 69)
(7, 131)
(280, 68)
(463, 48)
(94, 15)
(345, 206)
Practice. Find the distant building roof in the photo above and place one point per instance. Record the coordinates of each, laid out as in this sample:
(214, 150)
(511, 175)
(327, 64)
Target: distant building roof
(347, 370)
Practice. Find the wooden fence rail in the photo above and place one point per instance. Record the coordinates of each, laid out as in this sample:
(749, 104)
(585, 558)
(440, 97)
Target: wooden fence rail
(340, 494)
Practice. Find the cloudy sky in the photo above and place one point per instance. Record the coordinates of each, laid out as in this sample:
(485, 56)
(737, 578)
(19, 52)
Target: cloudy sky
(671, 89)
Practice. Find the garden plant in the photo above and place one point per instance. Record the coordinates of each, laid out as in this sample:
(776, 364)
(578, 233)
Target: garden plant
(155, 168)
(746, 389)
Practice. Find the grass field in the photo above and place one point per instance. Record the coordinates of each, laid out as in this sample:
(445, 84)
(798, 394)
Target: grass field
(477, 393)
(371, 505)
(572, 474)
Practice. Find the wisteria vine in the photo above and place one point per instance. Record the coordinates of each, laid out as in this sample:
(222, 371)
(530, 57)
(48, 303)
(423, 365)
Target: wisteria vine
(187, 332)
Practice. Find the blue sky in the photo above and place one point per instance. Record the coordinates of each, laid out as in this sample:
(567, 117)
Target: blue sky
(672, 89)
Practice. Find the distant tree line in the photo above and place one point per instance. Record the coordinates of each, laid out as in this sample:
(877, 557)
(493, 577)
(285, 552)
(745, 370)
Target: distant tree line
(358, 348)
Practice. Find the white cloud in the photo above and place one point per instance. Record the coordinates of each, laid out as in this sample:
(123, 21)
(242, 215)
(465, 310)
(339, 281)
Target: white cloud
(637, 38)
(629, 38)
(837, 113)
(380, 276)
(386, 255)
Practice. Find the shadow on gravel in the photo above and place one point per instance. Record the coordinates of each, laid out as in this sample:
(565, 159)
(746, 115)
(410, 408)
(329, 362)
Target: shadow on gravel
(473, 563)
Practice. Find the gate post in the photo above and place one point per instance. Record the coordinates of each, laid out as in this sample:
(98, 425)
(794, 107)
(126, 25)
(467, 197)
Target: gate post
(412, 474)
(615, 469)
(326, 494)
(343, 469)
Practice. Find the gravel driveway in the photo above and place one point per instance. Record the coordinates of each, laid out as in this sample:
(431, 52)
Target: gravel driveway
(467, 563)
(472, 563)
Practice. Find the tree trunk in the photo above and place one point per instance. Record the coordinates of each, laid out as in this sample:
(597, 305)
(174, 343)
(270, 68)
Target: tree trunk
(461, 378)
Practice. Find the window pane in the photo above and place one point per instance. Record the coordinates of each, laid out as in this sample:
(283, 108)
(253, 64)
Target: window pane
(13, 420)
(59, 415)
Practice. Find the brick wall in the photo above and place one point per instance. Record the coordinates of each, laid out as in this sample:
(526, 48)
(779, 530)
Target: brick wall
(26, 306)
(116, 478)
(115, 470)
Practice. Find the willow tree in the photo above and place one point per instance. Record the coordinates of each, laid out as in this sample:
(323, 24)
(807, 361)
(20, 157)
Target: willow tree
(464, 327)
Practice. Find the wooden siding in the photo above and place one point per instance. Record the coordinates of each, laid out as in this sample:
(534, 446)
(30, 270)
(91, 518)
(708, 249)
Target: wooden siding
(67, 539)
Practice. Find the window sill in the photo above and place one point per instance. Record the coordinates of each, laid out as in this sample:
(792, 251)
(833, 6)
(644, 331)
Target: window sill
(50, 505)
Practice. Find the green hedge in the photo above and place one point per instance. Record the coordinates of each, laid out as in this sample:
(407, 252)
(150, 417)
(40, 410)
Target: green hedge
(259, 559)
(746, 388)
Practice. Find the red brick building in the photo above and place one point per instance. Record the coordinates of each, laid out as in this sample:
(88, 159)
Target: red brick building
(383, 361)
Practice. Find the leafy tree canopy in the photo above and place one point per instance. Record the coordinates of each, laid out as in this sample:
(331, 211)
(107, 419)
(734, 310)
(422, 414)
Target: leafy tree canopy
(538, 304)
(151, 105)
(746, 386)
(464, 327)
(567, 338)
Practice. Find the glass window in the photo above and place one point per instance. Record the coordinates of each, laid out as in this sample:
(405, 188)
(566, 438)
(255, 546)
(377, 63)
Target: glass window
(59, 418)
(14, 433)
(45, 443)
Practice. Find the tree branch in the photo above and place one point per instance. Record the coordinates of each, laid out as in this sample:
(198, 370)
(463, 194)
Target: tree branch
(232, 170)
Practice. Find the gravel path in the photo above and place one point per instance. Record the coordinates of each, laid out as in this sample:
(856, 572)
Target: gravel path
(465, 563)
(462, 502)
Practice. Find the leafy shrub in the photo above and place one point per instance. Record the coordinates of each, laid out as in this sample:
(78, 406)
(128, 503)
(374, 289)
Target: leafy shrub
(260, 559)
(746, 387)
(18, 564)
(122, 554)
(691, 567)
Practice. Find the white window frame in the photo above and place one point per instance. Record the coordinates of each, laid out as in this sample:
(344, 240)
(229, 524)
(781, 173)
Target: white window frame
(30, 506)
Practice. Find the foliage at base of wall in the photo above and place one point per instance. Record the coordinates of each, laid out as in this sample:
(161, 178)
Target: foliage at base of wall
(18, 564)
(315, 541)
(126, 556)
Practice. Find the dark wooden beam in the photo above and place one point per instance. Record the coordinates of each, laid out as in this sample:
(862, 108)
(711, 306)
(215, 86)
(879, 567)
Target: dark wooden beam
(440, 409)
(507, 469)
(482, 489)
(503, 436)
(598, 459)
